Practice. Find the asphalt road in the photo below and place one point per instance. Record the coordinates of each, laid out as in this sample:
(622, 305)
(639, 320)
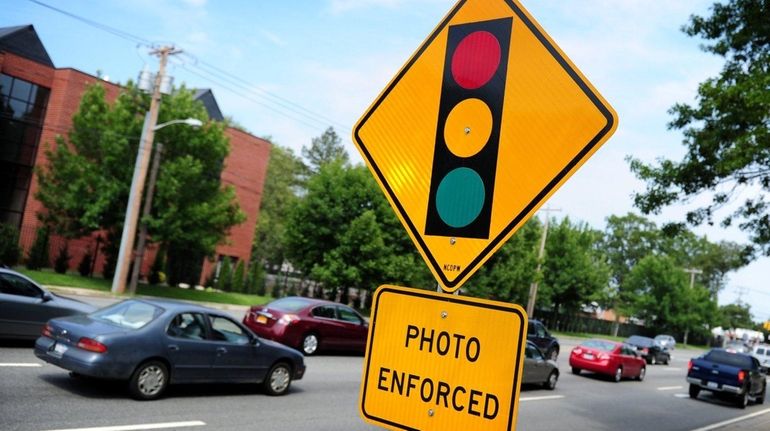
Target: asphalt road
(35, 396)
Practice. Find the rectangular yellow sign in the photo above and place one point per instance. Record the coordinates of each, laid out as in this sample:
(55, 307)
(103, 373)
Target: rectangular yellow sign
(442, 362)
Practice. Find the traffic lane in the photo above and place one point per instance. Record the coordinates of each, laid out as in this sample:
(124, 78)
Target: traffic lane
(47, 398)
(595, 402)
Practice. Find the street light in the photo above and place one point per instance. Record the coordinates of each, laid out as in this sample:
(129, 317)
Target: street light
(137, 185)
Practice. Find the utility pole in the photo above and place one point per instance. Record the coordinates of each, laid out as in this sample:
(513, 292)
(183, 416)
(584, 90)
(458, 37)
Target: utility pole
(140, 173)
(692, 272)
(146, 208)
(533, 286)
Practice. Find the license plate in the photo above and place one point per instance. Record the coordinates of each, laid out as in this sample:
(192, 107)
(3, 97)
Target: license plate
(713, 385)
(261, 319)
(588, 356)
(58, 350)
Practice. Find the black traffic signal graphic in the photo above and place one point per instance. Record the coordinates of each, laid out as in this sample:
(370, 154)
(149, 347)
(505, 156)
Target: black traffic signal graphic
(468, 133)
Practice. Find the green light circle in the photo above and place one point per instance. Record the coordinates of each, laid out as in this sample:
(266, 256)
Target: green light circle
(460, 197)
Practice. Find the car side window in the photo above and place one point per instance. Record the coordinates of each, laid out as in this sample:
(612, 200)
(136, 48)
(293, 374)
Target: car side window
(540, 330)
(324, 311)
(191, 326)
(224, 329)
(348, 315)
(14, 285)
(532, 353)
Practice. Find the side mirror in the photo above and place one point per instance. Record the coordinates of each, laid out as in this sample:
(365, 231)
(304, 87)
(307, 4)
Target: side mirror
(47, 297)
(254, 341)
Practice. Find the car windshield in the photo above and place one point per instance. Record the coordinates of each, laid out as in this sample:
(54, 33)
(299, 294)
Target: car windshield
(291, 305)
(640, 341)
(727, 358)
(606, 346)
(664, 338)
(129, 314)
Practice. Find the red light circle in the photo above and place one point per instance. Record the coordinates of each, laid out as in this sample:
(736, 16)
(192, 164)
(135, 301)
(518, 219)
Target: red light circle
(476, 60)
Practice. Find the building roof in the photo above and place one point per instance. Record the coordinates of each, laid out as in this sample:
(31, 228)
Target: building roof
(207, 98)
(23, 41)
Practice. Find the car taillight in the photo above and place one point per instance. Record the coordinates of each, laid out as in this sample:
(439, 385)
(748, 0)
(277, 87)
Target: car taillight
(288, 319)
(689, 366)
(741, 376)
(91, 345)
(48, 331)
(577, 351)
(645, 350)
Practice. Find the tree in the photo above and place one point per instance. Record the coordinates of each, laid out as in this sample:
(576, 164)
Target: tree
(574, 270)
(225, 277)
(323, 150)
(85, 186)
(284, 182)
(727, 133)
(735, 316)
(39, 254)
(9, 245)
(239, 277)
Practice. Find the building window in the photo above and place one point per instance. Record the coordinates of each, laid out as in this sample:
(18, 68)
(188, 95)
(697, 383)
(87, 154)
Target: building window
(22, 110)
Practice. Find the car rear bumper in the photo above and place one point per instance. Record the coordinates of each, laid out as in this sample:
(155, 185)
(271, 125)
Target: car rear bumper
(603, 367)
(704, 384)
(78, 360)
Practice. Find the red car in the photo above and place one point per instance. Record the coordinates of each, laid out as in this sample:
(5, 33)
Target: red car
(614, 359)
(309, 325)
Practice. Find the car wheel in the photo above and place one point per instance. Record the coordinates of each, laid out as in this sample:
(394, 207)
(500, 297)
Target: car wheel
(553, 378)
(553, 354)
(278, 379)
(668, 359)
(618, 374)
(743, 400)
(642, 372)
(760, 399)
(575, 370)
(149, 380)
(694, 391)
(310, 344)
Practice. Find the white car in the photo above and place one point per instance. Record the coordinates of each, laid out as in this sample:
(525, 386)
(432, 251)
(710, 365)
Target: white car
(666, 341)
(762, 352)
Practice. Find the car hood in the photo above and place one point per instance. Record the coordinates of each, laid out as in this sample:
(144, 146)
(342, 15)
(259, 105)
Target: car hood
(74, 304)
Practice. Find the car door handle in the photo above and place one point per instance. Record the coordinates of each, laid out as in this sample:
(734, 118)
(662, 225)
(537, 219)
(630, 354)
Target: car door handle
(221, 350)
(173, 347)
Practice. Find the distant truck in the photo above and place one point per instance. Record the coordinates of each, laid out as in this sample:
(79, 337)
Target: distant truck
(729, 374)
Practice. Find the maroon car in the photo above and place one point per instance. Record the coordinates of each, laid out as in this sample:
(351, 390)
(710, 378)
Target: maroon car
(309, 325)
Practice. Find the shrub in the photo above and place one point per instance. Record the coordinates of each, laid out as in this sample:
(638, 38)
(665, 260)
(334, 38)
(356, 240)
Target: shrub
(224, 281)
(38, 255)
(84, 268)
(157, 275)
(276, 290)
(9, 245)
(257, 279)
(62, 259)
(238, 278)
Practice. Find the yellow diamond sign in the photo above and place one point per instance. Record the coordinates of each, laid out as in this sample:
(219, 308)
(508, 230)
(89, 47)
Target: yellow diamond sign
(442, 362)
(484, 123)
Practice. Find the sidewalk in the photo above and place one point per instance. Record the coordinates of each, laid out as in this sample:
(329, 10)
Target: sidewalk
(76, 291)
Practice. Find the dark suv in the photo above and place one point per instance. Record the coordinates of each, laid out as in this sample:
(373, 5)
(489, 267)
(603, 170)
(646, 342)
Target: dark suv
(547, 343)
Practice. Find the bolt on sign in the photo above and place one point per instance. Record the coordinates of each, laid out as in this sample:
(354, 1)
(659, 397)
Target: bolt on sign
(442, 362)
(479, 128)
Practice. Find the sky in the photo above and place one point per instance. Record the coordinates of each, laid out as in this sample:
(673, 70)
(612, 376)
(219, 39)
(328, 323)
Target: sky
(290, 69)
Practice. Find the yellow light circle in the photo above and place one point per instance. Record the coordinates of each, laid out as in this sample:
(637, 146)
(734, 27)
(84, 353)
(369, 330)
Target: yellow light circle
(468, 127)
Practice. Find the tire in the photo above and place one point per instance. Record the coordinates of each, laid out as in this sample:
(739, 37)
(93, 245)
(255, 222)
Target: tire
(760, 399)
(694, 391)
(618, 375)
(149, 381)
(666, 362)
(278, 379)
(310, 344)
(742, 400)
(576, 371)
(553, 354)
(642, 373)
(553, 378)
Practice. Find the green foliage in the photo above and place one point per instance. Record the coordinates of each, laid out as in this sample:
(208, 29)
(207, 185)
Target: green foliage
(257, 279)
(38, 254)
(727, 133)
(86, 185)
(84, 267)
(324, 150)
(575, 272)
(158, 267)
(735, 316)
(225, 277)
(275, 291)
(239, 277)
(9, 245)
(62, 262)
(284, 182)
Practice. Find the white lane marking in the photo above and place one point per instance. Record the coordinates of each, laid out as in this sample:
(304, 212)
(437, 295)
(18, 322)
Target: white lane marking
(669, 388)
(682, 395)
(547, 397)
(19, 364)
(139, 427)
(732, 421)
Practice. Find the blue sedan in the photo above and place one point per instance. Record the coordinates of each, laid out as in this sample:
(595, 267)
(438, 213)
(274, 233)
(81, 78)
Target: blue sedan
(153, 343)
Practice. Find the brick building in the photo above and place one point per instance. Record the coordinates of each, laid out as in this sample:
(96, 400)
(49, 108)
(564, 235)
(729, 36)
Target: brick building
(37, 102)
